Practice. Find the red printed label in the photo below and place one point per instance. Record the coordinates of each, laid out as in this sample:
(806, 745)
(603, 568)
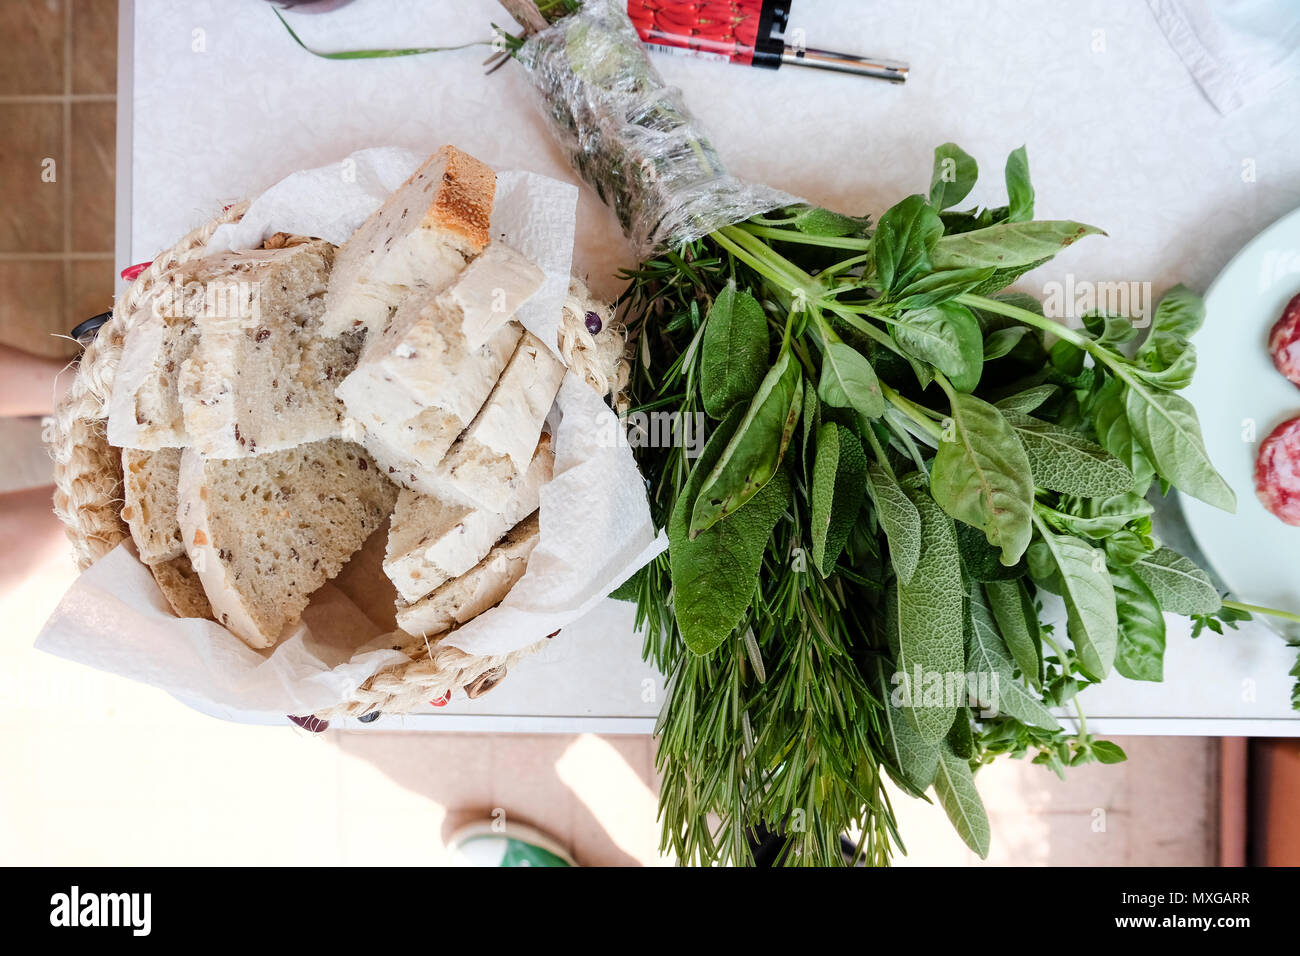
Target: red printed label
(713, 28)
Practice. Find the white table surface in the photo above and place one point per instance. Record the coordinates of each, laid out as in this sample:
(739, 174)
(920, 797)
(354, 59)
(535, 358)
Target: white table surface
(1117, 132)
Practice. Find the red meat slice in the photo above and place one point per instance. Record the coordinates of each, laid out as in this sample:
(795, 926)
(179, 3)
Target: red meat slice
(1277, 472)
(1284, 341)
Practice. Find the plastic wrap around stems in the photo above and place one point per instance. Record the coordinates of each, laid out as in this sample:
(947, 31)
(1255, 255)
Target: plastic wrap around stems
(630, 135)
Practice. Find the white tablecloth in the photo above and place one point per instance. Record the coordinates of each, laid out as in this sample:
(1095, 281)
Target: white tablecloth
(217, 102)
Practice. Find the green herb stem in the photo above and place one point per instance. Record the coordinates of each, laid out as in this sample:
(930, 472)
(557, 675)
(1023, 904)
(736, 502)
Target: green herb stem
(803, 238)
(1258, 609)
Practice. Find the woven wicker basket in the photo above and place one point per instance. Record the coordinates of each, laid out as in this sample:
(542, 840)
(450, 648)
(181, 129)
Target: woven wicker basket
(88, 474)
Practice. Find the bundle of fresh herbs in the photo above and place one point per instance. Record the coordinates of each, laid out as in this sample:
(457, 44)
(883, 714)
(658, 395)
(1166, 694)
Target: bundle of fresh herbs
(909, 472)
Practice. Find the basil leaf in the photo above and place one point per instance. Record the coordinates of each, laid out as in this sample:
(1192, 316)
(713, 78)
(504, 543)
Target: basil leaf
(911, 759)
(1109, 330)
(904, 235)
(900, 519)
(1108, 752)
(1020, 193)
(1166, 427)
(981, 560)
(715, 574)
(1028, 400)
(1140, 653)
(1101, 517)
(755, 451)
(955, 172)
(1001, 342)
(960, 738)
(981, 476)
(849, 381)
(735, 350)
(1064, 461)
(1110, 421)
(1125, 548)
(1171, 364)
(1177, 583)
(1017, 619)
(838, 488)
(815, 221)
(924, 620)
(954, 785)
(1089, 599)
(948, 337)
(1181, 313)
(986, 654)
(1008, 245)
(937, 287)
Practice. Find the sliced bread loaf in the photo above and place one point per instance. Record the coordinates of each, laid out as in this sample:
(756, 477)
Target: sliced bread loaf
(485, 465)
(149, 508)
(181, 587)
(263, 380)
(265, 532)
(433, 540)
(483, 586)
(422, 235)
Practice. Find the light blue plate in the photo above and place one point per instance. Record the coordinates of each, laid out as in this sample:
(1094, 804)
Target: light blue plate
(1240, 397)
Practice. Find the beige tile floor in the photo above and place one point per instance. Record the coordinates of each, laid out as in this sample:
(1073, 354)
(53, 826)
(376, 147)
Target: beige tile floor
(94, 769)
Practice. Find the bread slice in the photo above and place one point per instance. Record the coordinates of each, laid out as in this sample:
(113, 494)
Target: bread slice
(483, 586)
(421, 236)
(263, 379)
(488, 461)
(265, 532)
(218, 299)
(181, 587)
(422, 381)
(432, 540)
(149, 509)
(144, 409)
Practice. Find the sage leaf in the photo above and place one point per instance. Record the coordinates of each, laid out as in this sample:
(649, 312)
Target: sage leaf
(1166, 427)
(924, 620)
(1177, 583)
(901, 244)
(812, 420)
(1140, 653)
(838, 489)
(1089, 600)
(900, 519)
(755, 451)
(954, 785)
(947, 336)
(735, 350)
(981, 476)
(1008, 245)
(715, 573)
(910, 758)
(849, 381)
(987, 654)
(1064, 461)
(1020, 193)
(1017, 620)
(955, 172)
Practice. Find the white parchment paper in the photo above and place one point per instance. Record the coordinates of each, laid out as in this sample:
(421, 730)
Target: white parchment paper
(595, 522)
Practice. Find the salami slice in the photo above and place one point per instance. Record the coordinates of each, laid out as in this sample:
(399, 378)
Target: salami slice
(1277, 472)
(1284, 341)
